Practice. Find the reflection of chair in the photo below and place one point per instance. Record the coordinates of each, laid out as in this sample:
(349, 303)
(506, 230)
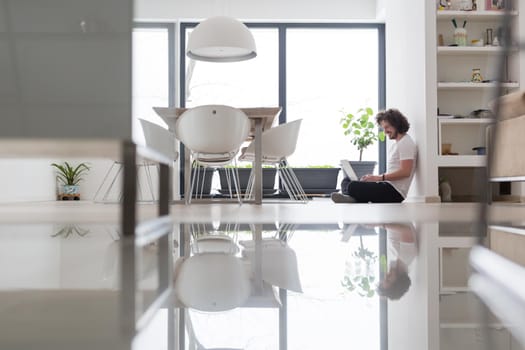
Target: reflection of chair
(213, 134)
(157, 138)
(212, 282)
(193, 341)
(279, 261)
(213, 278)
(278, 143)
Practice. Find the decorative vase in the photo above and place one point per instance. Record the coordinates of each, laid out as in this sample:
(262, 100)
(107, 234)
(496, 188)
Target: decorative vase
(70, 192)
(446, 191)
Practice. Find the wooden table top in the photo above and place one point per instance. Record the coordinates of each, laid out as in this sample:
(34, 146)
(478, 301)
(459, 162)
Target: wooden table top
(268, 114)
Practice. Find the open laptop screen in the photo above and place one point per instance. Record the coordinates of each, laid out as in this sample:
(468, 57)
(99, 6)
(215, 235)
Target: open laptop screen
(349, 171)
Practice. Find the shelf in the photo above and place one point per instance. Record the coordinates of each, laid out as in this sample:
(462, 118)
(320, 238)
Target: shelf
(471, 50)
(469, 85)
(473, 15)
(462, 161)
(470, 121)
(473, 325)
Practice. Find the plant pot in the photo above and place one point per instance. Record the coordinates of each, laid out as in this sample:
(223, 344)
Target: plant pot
(70, 192)
(362, 168)
(316, 180)
(208, 176)
(244, 176)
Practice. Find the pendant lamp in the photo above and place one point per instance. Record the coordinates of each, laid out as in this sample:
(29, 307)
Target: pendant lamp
(221, 39)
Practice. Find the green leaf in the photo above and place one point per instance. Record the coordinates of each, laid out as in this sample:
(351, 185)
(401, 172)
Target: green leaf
(69, 175)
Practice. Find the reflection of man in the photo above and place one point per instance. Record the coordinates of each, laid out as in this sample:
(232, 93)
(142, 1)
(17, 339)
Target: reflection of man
(402, 249)
(392, 186)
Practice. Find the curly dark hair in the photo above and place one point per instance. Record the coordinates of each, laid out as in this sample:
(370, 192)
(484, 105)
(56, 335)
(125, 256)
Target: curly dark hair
(398, 288)
(395, 118)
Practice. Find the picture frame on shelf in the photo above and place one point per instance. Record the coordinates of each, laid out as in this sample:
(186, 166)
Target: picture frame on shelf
(495, 5)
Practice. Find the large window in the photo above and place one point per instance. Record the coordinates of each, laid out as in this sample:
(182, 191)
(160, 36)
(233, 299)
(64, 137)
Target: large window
(329, 71)
(316, 72)
(240, 84)
(151, 73)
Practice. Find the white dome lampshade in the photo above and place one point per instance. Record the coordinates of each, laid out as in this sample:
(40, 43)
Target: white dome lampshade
(221, 39)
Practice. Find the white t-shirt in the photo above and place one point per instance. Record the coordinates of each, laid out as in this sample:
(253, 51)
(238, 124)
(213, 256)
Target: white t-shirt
(402, 150)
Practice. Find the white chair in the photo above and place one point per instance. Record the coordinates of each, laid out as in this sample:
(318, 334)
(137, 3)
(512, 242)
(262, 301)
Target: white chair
(213, 134)
(278, 143)
(157, 138)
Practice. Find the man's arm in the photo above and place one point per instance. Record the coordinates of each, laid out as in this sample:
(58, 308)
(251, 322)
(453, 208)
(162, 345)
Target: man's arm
(404, 171)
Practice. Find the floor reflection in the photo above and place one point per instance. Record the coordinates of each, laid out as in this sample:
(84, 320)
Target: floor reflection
(270, 286)
(300, 286)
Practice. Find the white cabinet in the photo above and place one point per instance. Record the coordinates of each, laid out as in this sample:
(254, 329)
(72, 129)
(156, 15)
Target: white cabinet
(459, 160)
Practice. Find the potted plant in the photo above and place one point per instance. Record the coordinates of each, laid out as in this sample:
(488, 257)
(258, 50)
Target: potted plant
(244, 175)
(70, 178)
(316, 179)
(362, 131)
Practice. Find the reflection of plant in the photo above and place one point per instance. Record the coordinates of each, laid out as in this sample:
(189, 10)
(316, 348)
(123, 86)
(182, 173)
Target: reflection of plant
(68, 230)
(362, 277)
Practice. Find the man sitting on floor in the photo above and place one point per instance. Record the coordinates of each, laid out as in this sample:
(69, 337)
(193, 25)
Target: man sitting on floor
(392, 186)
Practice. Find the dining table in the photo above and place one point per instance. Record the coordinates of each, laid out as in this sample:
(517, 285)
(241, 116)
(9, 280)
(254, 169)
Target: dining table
(262, 118)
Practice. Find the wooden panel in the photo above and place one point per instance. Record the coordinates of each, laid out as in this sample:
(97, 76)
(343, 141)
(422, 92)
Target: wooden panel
(508, 159)
(509, 245)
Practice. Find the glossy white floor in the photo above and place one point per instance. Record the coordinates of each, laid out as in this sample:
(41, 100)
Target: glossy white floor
(316, 211)
(61, 260)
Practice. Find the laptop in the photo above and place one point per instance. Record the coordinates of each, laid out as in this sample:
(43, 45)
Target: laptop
(348, 170)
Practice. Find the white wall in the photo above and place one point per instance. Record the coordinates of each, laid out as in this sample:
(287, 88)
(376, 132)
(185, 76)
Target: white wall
(258, 10)
(411, 81)
(34, 179)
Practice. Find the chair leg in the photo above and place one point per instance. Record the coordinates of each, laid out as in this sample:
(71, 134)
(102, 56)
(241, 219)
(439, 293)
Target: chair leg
(105, 198)
(191, 185)
(147, 170)
(103, 181)
(228, 181)
(291, 183)
(202, 181)
(288, 183)
(235, 175)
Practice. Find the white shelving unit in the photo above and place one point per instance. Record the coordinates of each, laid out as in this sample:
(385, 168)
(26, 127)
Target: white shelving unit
(467, 85)
(457, 95)
(469, 50)
(472, 15)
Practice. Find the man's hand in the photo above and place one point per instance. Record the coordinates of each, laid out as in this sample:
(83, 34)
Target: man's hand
(371, 178)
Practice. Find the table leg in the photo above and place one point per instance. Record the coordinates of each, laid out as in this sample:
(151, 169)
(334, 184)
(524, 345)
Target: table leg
(187, 175)
(257, 166)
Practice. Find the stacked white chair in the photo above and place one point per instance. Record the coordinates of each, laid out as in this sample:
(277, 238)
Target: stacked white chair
(213, 134)
(278, 143)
